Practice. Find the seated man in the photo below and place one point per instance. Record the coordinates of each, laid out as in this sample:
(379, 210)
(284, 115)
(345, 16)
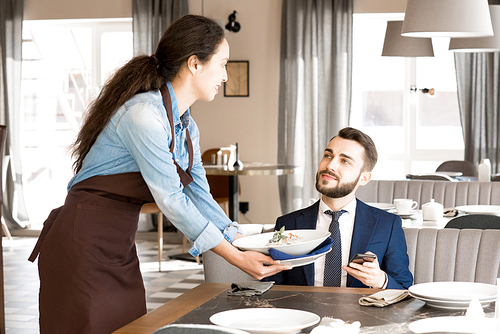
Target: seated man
(347, 164)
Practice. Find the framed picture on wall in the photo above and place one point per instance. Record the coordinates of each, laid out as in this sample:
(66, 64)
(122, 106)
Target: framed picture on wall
(237, 84)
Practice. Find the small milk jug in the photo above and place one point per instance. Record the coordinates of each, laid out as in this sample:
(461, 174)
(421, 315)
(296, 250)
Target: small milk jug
(432, 210)
(484, 171)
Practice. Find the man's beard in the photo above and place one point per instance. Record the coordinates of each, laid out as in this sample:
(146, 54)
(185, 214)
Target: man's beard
(339, 191)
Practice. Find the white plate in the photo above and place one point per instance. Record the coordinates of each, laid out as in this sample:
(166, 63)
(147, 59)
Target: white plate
(382, 206)
(459, 324)
(454, 291)
(480, 209)
(266, 320)
(452, 174)
(302, 261)
(451, 305)
(404, 215)
(311, 239)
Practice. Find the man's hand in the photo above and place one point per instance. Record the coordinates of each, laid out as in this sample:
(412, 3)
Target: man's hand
(368, 273)
(253, 263)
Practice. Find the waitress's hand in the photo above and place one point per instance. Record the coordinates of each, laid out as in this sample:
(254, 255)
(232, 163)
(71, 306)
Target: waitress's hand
(253, 263)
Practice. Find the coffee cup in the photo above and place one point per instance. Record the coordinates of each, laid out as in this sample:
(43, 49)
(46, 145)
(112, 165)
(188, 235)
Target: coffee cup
(405, 205)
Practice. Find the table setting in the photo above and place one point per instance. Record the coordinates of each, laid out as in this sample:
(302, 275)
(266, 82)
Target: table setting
(319, 310)
(256, 307)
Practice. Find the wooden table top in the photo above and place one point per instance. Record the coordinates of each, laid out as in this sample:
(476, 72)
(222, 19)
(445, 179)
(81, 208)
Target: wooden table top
(198, 304)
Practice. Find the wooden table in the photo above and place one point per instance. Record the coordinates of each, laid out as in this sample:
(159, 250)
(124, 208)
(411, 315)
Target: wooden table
(198, 304)
(249, 169)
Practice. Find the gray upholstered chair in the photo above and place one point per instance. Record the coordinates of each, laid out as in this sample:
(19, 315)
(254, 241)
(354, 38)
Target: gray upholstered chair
(466, 167)
(485, 222)
(450, 194)
(468, 255)
(217, 270)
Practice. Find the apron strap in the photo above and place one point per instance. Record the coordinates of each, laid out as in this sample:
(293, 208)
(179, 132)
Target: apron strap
(46, 227)
(184, 175)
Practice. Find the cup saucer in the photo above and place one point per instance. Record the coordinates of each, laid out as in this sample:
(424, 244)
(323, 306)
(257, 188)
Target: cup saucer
(405, 215)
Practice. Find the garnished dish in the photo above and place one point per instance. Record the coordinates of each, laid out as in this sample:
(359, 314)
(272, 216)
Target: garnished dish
(304, 242)
(281, 238)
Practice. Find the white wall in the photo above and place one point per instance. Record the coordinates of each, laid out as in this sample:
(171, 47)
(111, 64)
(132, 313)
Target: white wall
(251, 121)
(379, 6)
(76, 9)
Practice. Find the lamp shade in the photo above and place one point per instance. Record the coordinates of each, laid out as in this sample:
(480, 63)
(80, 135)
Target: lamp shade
(447, 18)
(396, 45)
(481, 44)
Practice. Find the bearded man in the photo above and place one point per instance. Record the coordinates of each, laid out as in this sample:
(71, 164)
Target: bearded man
(356, 227)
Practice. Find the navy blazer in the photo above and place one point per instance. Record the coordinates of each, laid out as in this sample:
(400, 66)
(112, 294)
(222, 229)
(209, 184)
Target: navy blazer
(375, 230)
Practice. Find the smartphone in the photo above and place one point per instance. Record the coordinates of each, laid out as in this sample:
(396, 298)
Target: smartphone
(360, 258)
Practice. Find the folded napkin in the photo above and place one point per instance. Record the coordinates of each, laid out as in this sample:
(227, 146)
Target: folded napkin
(329, 325)
(323, 247)
(251, 288)
(384, 298)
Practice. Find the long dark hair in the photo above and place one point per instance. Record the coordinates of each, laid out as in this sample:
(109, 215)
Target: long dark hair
(190, 35)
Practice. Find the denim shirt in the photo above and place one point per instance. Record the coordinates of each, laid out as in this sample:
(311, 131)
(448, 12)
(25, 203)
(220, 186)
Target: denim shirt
(137, 139)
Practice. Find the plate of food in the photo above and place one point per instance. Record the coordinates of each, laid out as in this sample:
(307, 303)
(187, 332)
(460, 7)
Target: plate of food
(266, 320)
(292, 242)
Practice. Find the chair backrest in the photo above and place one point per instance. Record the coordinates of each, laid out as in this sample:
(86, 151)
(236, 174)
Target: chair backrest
(217, 270)
(219, 184)
(484, 222)
(436, 255)
(466, 167)
(450, 194)
(468, 255)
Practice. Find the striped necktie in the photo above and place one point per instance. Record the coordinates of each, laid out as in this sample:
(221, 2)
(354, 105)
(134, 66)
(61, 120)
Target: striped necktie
(333, 260)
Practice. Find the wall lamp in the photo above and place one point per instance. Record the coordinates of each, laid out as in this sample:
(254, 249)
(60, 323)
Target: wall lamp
(430, 91)
(232, 25)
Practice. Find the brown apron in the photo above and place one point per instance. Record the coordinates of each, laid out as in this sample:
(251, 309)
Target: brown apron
(90, 281)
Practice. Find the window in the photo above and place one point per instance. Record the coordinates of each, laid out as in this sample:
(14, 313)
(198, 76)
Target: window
(413, 132)
(65, 62)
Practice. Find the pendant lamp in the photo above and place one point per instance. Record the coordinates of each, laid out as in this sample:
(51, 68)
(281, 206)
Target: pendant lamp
(481, 44)
(396, 45)
(447, 18)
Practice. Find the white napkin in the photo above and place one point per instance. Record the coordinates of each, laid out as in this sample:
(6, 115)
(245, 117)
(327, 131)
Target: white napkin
(329, 325)
(475, 310)
(384, 298)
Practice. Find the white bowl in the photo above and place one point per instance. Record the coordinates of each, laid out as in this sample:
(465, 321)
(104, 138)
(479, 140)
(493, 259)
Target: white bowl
(310, 240)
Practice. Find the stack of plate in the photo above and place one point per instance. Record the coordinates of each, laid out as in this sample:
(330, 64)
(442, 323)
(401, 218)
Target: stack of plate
(453, 295)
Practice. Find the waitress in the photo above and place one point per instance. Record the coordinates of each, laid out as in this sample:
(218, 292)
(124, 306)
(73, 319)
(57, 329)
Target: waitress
(138, 144)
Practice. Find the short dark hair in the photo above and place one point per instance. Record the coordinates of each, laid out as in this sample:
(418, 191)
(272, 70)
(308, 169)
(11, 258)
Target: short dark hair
(371, 155)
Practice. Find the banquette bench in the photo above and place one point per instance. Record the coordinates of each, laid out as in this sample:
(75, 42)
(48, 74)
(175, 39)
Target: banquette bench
(468, 255)
(450, 194)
